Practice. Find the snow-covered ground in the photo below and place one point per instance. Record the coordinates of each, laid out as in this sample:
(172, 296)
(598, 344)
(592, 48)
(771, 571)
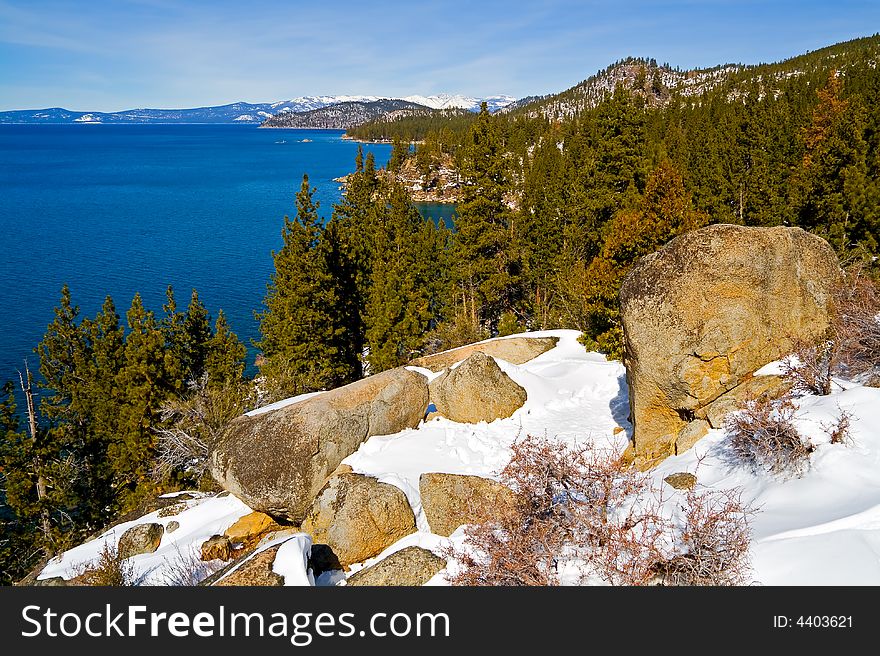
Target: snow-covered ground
(822, 528)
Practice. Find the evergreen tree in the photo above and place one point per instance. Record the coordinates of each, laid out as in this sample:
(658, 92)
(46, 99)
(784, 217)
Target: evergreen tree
(399, 153)
(298, 327)
(144, 385)
(402, 300)
(197, 335)
(101, 399)
(666, 211)
(176, 347)
(833, 173)
(225, 359)
(487, 266)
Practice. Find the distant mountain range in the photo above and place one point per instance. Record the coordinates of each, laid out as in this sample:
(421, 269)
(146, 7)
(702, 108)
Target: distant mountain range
(344, 115)
(242, 112)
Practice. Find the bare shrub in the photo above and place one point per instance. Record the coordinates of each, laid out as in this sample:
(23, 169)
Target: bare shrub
(811, 370)
(838, 430)
(566, 505)
(587, 506)
(855, 326)
(523, 544)
(763, 435)
(713, 544)
(191, 423)
(186, 568)
(852, 347)
(107, 570)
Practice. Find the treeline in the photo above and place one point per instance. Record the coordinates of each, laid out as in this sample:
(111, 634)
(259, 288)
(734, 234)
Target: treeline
(442, 124)
(91, 444)
(558, 209)
(359, 293)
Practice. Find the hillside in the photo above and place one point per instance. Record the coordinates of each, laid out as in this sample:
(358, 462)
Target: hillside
(240, 112)
(342, 116)
(580, 398)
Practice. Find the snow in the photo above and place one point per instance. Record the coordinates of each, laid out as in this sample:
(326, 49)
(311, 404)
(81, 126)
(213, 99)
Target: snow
(283, 403)
(822, 528)
(292, 561)
(447, 101)
(202, 518)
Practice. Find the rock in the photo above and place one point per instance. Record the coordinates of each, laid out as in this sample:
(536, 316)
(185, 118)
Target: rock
(173, 509)
(703, 313)
(255, 571)
(516, 350)
(140, 539)
(217, 547)
(250, 528)
(53, 582)
(681, 480)
(275, 534)
(450, 500)
(476, 390)
(758, 387)
(163, 502)
(358, 517)
(277, 461)
(172, 526)
(691, 434)
(410, 566)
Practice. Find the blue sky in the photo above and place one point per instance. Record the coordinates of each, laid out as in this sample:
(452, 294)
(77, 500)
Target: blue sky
(118, 54)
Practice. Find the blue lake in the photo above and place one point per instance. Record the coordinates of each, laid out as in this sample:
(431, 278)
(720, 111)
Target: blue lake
(119, 209)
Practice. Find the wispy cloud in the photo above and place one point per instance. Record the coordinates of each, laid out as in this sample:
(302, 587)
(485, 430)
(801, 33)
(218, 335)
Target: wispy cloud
(114, 54)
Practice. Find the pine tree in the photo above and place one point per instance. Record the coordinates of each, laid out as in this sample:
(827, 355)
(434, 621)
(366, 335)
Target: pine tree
(144, 385)
(174, 328)
(225, 359)
(101, 400)
(399, 153)
(19, 535)
(63, 353)
(665, 211)
(402, 299)
(833, 172)
(197, 335)
(298, 329)
(488, 269)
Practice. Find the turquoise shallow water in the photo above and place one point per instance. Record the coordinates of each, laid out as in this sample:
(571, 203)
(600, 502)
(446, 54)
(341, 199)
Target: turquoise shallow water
(115, 209)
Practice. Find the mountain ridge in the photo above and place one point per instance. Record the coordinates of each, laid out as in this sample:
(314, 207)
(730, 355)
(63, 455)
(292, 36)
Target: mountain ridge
(237, 112)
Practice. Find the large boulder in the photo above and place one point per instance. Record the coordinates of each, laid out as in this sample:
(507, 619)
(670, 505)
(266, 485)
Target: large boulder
(407, 567)
(255, 570)
(140, 539)
(476, 390)
(277, 461)
(358, 517)
(706, 311)
(450, 500)
(516, 350)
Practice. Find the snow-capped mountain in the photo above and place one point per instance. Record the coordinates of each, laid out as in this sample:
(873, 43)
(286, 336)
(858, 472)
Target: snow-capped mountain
(447, 101)
(343, 115)
(240, 112)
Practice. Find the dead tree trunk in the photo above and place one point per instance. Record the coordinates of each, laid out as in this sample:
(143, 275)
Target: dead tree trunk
(36, 461)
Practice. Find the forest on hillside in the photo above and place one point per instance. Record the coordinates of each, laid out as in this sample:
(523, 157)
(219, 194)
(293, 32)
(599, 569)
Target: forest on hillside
(556, 208)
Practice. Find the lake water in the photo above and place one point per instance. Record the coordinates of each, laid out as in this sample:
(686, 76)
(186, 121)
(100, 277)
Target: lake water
(117, 209)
